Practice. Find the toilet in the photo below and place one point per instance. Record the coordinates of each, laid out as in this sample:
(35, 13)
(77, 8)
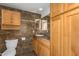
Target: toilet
(11, 47)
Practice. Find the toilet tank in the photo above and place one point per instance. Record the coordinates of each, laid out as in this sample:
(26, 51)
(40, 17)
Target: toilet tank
(11, 44)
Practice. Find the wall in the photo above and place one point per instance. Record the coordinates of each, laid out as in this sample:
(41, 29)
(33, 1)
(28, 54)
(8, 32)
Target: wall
(45, 32)
(24, 47)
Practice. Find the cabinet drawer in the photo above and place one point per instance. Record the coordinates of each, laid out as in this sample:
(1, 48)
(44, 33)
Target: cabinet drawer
(6, 16)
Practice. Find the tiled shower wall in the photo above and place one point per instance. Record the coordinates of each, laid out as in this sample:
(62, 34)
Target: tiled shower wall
(26, 28)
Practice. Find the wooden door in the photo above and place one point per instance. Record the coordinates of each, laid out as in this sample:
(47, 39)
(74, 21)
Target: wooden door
(16, 18)
(72, 30)
(6, 17)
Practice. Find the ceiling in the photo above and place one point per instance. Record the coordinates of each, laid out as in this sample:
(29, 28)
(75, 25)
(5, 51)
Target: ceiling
(32, 7)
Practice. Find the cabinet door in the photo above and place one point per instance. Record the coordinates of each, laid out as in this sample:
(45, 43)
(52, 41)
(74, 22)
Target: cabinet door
(45, 51)
(60, 36)
(16, 18)
(35, 46)
(43, 48)
(55, 36)
(40, 50)
(59, 43)
(56, 9)
(72, 30)
(6, 17)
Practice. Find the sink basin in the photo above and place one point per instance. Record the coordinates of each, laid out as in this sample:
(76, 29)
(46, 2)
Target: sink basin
(39, 35)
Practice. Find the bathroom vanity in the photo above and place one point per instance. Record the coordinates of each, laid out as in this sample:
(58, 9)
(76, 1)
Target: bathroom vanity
(41, 46)
(41, 40)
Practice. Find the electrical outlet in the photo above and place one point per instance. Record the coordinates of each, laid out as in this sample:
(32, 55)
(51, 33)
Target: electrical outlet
(23, 38)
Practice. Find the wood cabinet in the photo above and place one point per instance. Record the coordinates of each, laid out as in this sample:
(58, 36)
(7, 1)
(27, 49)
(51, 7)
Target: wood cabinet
(72, 30)
(56, 9)
(44, 47)
(70, 6)
(64, 31)
(6, 17)
(16, 18)
(56, 36)
(10, 20)
(60, 8)
(41, 47)
(35, 45)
